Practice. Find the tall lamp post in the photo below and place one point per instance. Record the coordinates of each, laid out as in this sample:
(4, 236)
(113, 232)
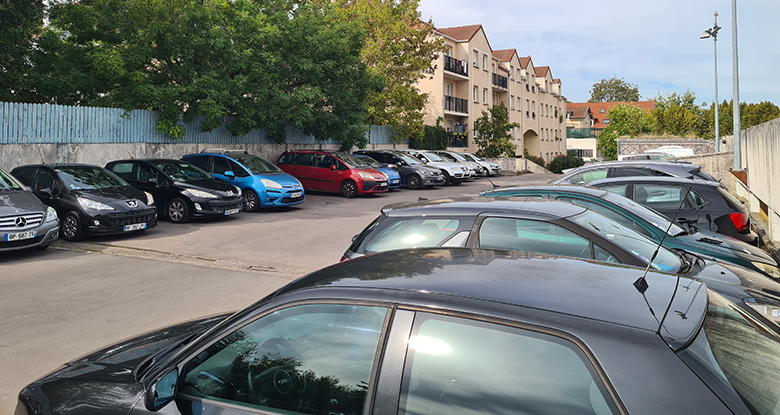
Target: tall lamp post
(713, 33)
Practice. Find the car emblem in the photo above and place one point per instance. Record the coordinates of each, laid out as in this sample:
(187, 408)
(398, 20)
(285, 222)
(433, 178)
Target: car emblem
(132, 203)
(21, 222)
(229, 193)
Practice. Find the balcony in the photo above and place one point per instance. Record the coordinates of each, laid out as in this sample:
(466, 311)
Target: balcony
(456, 66)
(500, 81)
(458, 139)
(454, 104)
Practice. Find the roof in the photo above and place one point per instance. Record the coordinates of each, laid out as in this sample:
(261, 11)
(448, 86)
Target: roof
(578, 112)
(557, 80)
(596, 290)
(461, 33)
(541, 71)
(524, 61)
(504, 55)
(597, 107)
(473, 206)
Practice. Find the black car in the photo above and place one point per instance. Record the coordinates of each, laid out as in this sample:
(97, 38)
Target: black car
(707, 205)
(182, 190)
(651, 224)
(414, 174)
(89, 199)
(443, 331)
(607, 169)
(25, 221)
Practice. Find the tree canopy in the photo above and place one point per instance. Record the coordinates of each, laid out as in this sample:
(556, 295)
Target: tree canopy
(492, 133)
(20, 22)
(614, 90)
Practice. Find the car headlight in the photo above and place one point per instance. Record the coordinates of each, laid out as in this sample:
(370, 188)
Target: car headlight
(270, 184)
(367, 176)
(93, 204)
(149, 199)
(199, 193)
(51, 214)
(767, 269)
(238, 191)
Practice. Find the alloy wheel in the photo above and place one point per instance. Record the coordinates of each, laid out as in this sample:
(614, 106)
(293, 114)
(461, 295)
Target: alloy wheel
(176, 211)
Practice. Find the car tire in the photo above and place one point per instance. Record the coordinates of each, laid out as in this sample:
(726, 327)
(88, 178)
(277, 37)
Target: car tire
(447, 178)
(178, 211)
(413, 182)
(251, 203)
(71, 228)
(349, 189)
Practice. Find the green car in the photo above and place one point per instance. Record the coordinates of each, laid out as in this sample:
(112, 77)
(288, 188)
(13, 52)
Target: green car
(652, 224)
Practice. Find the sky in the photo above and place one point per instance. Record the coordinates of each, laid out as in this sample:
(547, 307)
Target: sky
(653, 44)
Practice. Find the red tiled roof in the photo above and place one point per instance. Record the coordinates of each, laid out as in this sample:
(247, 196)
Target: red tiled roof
(599, 117)
(504, 55)
(541, 71)
(461, 33)
(524, 61)
(557, 80)
(578, 111)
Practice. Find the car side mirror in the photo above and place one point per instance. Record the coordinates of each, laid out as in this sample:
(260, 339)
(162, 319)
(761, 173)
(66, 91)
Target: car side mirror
(161, 392)
(229, 174)
(392, 166)
(153, 181)
(333, 167)
(45, 194)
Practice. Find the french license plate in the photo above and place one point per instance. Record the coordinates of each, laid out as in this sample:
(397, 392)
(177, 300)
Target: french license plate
(135, 227)
(19, 236)
(383, 184)
(396, 181)
(294, 195)
(231, 211)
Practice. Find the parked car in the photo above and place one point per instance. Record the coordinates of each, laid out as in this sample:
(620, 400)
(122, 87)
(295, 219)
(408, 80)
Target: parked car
(652, 224)
(608, 169)
(454, 157)
(677, 151)
(492, 169)
(708, 205)
(442, 331)
(182, 190)
(393, 177)
(25, 221)
(453, 173)
(89, 199)
(414, 173)
(333, 171)
(646, 156)
(262, 184)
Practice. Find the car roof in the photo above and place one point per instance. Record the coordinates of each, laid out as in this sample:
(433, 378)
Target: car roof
(597, 290)
(568, 188)
(55, 166)
(655, 179)
(473, 206)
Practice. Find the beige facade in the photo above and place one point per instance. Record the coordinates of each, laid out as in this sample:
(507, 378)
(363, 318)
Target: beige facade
(471, 77)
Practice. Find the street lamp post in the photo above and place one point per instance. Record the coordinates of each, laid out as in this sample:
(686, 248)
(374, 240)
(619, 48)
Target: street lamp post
(713, 33)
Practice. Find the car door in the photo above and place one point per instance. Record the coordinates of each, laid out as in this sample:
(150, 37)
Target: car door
(667, 199)
(327, 172)
(305, 171)
(312, 358)
(159, 187)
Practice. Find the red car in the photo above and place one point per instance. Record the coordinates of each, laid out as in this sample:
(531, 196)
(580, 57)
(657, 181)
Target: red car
(332, 171)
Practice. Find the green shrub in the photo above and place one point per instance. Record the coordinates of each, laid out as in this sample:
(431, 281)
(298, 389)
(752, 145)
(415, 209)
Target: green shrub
(562, 162)
(537, 160)
(434, 138)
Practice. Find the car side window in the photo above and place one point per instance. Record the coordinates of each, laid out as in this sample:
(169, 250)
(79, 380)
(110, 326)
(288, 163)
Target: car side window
(237, 169)
(201, 162)
(308, 359)
(631, 172)
(145, 173)
(601, 254)
(287, 158)
(219, 165)
(605, 211)
(616, 188)
(305, 159)
(25, 176)
(45, 180)
(698, 200)
(123, 170)
(324, 161)
(588, 176)
(467, 367)
(532, 236)
(659, 197)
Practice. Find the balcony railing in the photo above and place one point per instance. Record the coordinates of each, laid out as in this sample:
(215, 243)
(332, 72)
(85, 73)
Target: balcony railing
(456, 66)
(456, 104)
(458, 140)
(499, 81)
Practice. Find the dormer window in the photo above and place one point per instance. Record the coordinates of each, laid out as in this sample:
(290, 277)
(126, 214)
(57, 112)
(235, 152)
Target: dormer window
(602, 111)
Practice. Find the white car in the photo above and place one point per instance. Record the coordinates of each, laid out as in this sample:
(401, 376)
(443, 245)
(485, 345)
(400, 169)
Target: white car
(454, 173)
(492, 168)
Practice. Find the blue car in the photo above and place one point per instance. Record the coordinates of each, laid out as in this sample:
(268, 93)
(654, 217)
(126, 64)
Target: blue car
(261, 182)
(393, 177)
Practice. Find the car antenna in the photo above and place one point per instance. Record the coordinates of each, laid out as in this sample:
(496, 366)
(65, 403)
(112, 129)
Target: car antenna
(495, 186)
(131, 156)
(641, 282)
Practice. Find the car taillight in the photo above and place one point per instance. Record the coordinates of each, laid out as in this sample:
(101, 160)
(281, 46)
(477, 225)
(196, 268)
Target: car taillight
(343, 258)
(740, 221)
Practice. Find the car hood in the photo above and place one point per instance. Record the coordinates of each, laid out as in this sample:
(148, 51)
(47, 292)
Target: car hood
(389, 172)
(724, 247)
(207, 185)
(113, 196)
(282, 178)
(107, 378)
(19, 201)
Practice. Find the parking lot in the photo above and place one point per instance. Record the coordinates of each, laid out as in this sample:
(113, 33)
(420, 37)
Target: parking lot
(75, 297)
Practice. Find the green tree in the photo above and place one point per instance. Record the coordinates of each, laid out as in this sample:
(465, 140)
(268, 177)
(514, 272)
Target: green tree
(245, 64)
(435, 137)
(677, 115)
(607, 143)
(755, 114)
(630, 120)
(400, 51)
(492, 133)
(614, 90)
(21, 21)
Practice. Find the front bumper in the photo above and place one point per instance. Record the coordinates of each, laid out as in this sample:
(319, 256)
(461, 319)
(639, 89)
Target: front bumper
(211, 207)
(433, 180)
(46, 234)
(374, 186)
(120, 222)
(284, 197)
(394, 182)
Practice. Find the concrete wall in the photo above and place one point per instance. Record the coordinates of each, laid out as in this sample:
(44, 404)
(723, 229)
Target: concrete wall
(760, 148)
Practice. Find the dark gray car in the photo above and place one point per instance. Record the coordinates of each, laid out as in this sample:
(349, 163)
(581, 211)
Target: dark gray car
(414, 174)
(25, 222)
(608, 169)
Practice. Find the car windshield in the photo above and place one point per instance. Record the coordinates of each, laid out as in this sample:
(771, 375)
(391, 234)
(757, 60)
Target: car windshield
(257, 165)
(181, 171)
(629, 240)
(351, 160)
(432, 157)
(370, 162)
(656, 219)
(447, 156)
(79, 178)
(8, 183)
(472, 156)
(409, 159)
(458, 157)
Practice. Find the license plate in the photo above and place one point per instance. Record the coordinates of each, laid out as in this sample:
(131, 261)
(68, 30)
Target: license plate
(294, 195)
(231, 211)
(396, 181)
(383, 184)
(10, 237)
(135, 227)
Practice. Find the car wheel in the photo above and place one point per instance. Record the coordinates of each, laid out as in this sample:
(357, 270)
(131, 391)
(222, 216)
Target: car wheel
(349, 188)
(447, 178)
(178, 211)
(251, 202)
(71, 228)
(413, 182)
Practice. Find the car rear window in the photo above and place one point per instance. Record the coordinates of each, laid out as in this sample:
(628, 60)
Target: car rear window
(416, 232)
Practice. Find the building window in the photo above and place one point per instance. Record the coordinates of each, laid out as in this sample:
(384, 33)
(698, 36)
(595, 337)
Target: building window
(476, 94)
(484, 96)
(484, 62)
(603, 110)
(449, 90)
(512, 102)
(475, 59)
(606, 121)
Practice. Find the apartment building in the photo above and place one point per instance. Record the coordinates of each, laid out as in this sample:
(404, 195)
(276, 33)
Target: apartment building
(471, 77)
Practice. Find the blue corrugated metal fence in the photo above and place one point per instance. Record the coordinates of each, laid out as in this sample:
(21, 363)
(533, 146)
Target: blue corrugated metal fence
(42, 123)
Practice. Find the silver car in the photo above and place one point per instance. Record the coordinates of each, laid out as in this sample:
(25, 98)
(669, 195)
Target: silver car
(25, 222)
(454, 173)
(492, 169)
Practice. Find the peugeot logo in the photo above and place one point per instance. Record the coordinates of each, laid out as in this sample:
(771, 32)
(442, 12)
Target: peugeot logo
(21, 222)
(132, 203)
(229, 193)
